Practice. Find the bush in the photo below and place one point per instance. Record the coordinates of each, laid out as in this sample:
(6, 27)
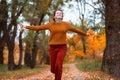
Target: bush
(89, 64)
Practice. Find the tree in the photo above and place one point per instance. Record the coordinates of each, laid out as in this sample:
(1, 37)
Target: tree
(16, 10)
(111, 57)
(9, 27)
(3, 26)
(20, 49)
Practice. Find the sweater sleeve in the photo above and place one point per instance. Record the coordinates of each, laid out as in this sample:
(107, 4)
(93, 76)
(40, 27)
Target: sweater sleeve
(71, 28)
(37, 28)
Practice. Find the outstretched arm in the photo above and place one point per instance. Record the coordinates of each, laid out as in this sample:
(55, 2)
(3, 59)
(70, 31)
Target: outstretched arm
(42, 27)
(79, 31)
(71, 28)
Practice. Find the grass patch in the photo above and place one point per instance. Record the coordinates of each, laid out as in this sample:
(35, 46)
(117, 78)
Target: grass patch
(3, 68)
(16, 74)
(89, 65)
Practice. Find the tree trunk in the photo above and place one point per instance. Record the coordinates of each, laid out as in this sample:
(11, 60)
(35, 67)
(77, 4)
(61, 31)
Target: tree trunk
(111, 57)
(11, 64)
(21, 49)
(83, 39)
(3, 26)
(11, 43)
(45, 56)
(1, 53)
(34, 51)
(27, 57)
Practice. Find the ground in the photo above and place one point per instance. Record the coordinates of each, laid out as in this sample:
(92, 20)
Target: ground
(70, 72)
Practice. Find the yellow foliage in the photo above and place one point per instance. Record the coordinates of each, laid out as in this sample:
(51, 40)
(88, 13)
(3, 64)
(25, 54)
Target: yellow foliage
(80, 53)
(90, 32)
(96, 44)
(76, 38)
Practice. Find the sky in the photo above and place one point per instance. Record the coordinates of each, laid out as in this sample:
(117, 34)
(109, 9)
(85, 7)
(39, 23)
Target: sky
(72, 14)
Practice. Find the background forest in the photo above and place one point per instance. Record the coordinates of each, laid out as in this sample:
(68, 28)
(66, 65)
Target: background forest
(22, 47)
(30, 47)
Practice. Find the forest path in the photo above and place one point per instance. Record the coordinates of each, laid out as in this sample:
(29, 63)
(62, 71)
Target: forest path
(70, 72)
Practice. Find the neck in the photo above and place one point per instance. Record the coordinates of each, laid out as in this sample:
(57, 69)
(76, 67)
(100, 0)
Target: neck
(58, 20)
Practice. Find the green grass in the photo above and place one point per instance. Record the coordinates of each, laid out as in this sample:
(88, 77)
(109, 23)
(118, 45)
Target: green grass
(16, 74)
(89, 65)
(3, 68)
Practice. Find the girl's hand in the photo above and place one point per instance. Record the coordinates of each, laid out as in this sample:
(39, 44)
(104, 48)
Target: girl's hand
(22, 26)
(90, 32)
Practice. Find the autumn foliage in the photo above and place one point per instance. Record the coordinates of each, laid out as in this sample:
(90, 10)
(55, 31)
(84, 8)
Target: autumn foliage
(94, 43)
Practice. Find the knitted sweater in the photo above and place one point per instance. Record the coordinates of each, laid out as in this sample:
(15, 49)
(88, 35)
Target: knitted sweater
(57, 31)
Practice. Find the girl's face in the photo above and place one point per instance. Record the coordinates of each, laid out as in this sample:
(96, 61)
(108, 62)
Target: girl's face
(58, 15)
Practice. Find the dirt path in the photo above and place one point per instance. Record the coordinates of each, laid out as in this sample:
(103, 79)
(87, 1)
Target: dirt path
(70, 72)
(44, 75)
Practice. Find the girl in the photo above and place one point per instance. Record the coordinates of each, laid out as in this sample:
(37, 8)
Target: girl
(57, 41)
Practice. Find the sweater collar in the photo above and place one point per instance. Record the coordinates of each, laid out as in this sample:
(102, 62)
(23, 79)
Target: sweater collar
(58, 20)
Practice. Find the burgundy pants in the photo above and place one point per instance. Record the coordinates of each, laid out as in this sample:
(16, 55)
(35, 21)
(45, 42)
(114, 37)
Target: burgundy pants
(57, 54)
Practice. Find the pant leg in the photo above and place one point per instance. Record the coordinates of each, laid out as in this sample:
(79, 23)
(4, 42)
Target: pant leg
(59, 61)
(53, 55)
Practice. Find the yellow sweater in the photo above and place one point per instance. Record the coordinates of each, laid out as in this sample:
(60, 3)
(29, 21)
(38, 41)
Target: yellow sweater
(57, 31)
